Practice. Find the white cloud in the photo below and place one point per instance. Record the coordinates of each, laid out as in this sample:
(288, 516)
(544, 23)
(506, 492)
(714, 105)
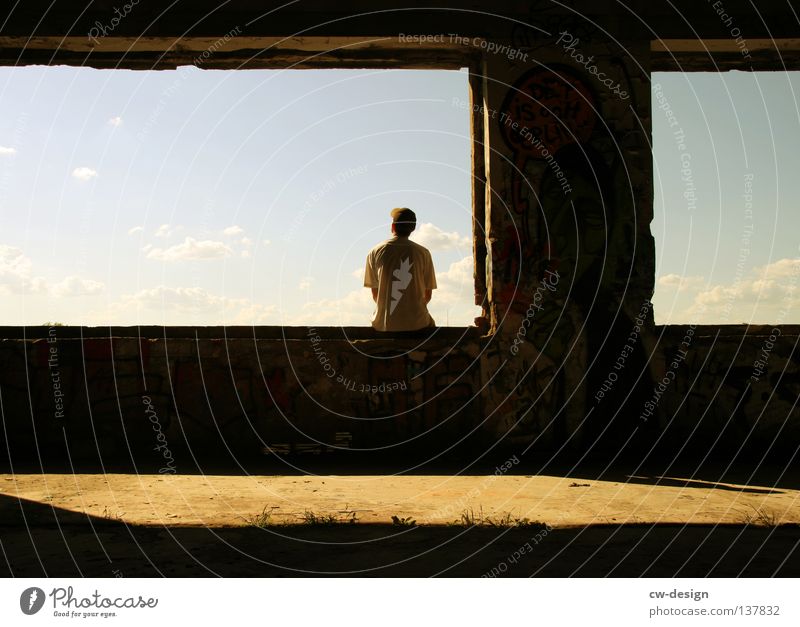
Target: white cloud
(135, 230)
(267, 242)
(676, 281)
(768, 294)
(83, 173)
(354, 309)
(115, 121)
(191, 249)
(183, 298)
(4, 150)
(76, 286)
(305, 283)
(179, 305)
(433, 238)
(358, 273)
(450, 304)
(783, 268)
(459, 274)
(13, 261)
(15, 269)
(232, 230)
(253, 313)
(165, 230)
(15, 278)
(718, 294)
(246, 241)
(246, 254)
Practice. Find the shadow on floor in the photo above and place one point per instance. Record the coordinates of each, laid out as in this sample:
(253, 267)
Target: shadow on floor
(39, 540)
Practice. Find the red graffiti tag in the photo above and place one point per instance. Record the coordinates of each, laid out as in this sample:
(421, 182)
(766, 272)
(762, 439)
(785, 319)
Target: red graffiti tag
(545, 109)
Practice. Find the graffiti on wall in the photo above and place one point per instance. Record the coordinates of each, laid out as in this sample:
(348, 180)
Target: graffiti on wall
(543, 111)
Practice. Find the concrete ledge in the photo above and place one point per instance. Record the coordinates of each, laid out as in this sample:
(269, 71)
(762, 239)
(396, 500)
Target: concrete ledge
(226, 332)
(448, 334)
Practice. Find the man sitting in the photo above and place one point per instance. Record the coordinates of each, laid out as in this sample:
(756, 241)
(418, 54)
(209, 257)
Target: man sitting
(400, 273)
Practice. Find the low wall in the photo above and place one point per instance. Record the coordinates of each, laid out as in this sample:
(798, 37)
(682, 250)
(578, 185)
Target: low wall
(174, 396)
(735, 392)
(143, 394)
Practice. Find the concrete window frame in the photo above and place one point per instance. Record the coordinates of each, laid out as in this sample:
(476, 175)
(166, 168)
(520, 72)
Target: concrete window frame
(233, 51)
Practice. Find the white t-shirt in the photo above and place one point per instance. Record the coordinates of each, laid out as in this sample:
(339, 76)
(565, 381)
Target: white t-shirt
(401, 270)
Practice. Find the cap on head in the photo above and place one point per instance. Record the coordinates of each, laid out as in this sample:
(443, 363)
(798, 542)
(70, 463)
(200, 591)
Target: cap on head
(405, 217)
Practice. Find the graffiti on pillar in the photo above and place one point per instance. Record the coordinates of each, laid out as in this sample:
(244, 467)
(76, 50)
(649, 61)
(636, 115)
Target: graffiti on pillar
(545, 109)
(575, 229)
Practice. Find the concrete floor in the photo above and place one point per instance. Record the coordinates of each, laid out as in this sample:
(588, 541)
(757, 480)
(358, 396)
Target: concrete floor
(199, 525)
(223, 501)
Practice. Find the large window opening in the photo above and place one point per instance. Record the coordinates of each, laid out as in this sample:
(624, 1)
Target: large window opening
(725, 153)
(208, 197)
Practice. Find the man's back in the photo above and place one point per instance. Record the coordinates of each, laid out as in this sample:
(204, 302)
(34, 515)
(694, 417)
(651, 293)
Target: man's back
(402, 271)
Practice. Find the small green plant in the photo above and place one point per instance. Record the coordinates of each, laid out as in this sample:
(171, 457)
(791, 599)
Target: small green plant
(469, 518)
(403, 522)
(351, 515)
(526, 523)
(262, 520)
(310, 518)
(760, 518)
(109, 516)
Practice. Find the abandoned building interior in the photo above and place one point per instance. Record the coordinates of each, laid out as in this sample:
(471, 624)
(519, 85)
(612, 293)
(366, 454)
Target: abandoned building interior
(565, 359)
(538, 370)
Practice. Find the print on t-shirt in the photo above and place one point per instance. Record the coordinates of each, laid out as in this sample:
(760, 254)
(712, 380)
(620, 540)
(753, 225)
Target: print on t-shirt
(402, 277)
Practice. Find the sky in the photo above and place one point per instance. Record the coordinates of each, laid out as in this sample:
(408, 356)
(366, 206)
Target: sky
(225, 197)
(252, 197)
(727, 197)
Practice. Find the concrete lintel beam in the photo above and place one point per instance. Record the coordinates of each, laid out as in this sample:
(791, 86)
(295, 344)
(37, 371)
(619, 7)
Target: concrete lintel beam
(714, 55)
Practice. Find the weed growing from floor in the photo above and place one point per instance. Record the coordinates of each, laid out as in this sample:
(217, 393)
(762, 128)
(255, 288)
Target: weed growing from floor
(115, 517)
(469, 518)
(262, 520)
(404, 522)
(760, 518)
(310, 518)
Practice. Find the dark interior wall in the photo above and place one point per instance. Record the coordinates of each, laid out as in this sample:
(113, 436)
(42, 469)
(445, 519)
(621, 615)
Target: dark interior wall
(176, 399)
(176, 394)
(564, 254)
